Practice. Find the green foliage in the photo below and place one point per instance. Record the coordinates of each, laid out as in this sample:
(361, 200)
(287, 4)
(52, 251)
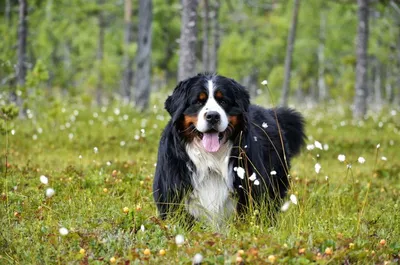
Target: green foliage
(63, 36)
(8, 112)
(38, 75)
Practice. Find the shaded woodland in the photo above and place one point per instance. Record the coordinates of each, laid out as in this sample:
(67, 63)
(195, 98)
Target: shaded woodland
(309, 51)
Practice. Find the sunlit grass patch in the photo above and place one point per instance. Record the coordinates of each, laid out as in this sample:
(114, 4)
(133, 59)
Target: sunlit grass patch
(99, 165)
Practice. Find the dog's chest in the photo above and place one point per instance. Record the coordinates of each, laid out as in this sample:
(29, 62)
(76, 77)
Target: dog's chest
(212, 182)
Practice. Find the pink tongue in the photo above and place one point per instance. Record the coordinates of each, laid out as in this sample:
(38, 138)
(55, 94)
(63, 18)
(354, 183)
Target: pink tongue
(210, 142)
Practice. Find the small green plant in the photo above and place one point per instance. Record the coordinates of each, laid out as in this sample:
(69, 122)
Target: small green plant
(7, 113)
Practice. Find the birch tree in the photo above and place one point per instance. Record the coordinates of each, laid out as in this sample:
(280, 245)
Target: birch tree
(322, 89)
(143, 56)
(215, 29)
(127, 61)
(22, 42)
(289, 54)
(206, 33)
(360, 98)
(100, 51)
(188, 39)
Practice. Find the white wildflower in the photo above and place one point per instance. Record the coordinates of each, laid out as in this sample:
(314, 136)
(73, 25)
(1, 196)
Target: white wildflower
(310, 147)
(285, 206)
(256, 182)
(142, 228)
(179, 240)
(264, 82)
(253, 177)
(240, 172)
(326, 147)
(317, 168)
(95, 150)
(50, 193)
(63, 231)
(341, 158)
(293, 199)
(264, 125)
(198, 258)
(361, 160)
(44, 180)
(255, 139)
(318, 145)
(384, 158)
(273, 173)
(378, 145)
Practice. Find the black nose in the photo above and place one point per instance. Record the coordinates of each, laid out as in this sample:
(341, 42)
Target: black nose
(213, 117)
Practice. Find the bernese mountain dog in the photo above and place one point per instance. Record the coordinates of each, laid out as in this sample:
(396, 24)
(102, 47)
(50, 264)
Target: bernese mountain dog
(219, 154)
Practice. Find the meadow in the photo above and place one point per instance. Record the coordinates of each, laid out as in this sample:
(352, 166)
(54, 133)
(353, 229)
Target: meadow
(76, 188)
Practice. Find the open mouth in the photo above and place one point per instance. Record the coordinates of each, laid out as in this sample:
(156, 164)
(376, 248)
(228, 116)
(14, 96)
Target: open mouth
(220, 134)
(211, 140)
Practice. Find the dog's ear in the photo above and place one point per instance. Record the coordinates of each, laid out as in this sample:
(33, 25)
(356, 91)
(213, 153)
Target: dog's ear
(176, 102)
(241, 95)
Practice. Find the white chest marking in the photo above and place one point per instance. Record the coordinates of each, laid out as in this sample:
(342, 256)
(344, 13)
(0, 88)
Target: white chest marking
(212, 183)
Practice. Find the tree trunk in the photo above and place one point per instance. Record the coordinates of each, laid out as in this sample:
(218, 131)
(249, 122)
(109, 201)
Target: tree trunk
(143, 57)
(22, 38)
(214, 16)
(188, 39)
(377, 85)
(322, 89)
(388, 84)
(7, 12)
(396, 100)
(360, 104)
(99, 55)
(206, 32)
(127, 61)
(289, 53)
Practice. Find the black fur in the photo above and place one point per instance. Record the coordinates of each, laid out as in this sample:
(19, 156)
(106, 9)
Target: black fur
(255, 148)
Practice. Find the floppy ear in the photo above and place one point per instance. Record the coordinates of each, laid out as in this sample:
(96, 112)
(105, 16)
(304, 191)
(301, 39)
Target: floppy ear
(242, 96)
(175, 104)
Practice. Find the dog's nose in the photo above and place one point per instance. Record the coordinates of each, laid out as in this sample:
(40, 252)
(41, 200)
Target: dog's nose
(213, 117)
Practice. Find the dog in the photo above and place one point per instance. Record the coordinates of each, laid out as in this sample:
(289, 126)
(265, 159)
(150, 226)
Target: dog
(219, 154)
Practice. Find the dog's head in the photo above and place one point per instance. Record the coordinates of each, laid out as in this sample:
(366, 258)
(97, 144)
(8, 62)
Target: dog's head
(208, 108)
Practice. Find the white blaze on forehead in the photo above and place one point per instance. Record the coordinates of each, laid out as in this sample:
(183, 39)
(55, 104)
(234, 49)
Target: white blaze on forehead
(211, 105)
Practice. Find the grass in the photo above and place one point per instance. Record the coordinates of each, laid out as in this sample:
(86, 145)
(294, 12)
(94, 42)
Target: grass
(99, 161)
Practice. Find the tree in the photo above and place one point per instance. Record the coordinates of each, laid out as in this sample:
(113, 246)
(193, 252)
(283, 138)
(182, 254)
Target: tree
(289, 53)
(100, 51)
(206, 32)
(322, 89)
(187, 41)
(22, 39)
(126, 84)
(360, 98)
(143, 57)
(213, 59)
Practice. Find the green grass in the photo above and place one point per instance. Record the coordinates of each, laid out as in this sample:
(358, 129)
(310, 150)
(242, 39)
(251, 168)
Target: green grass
(339, 219)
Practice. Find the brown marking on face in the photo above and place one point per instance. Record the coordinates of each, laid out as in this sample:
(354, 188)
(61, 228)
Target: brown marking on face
(189, 120)
(219, 95)
(187, 132)
(234, 120)
(202, 96)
